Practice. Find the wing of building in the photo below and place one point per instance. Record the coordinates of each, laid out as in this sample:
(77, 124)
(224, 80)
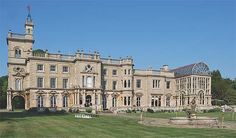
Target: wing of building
(81, 80)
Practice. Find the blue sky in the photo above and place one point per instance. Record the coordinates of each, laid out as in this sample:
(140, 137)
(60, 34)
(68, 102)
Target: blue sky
(153, 32)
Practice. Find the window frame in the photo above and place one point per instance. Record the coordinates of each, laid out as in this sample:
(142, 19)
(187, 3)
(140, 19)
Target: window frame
(51, 68)
(104, 72)
(138, 101)
(139, 85)
(90, 82)
(41, 82)
(65, 101)
(156, 83)
(67, 85)
(17, 53)
(40, 101)
(168, 86)
(114, 72)
(55, 85)
(114, 85)
(53, 101)
(129, 84)
(18, 84)
(68, 69)
(39, 70)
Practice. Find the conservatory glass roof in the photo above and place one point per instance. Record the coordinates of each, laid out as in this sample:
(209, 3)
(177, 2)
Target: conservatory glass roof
(192, 69)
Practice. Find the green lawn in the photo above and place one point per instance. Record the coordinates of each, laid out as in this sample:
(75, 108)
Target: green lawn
(228, 116)
(20, 124)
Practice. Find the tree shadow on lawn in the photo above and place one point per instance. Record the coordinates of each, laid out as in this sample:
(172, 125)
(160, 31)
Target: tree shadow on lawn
(6, 116)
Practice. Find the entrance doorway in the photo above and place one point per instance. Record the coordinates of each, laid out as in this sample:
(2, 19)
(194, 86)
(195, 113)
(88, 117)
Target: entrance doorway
(88, 101)
(18, 102)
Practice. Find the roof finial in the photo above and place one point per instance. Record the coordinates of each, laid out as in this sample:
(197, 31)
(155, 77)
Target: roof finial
(29, 15)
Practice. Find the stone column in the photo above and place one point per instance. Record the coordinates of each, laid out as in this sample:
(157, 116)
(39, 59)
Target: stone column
(178, 103)
(163, 101)
(93, 98)
(109, 101)
(59, 101)
(78, 98)
(83, 98)
(47, 100)
(9, 99)
(73, 98)
(26, 101)
(209, 101)
(99, 101)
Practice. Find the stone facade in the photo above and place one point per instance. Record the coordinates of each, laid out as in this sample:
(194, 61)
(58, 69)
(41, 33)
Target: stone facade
(83, 80)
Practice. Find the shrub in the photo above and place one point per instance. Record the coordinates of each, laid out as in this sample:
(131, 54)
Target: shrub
(70, 110)
(62, 111)
(214, 110)
(74, 110)
(89, 110)
(46, 110)
(150, 110)
(128, 111)
(134, 111)
(33, 109)
(185, 109)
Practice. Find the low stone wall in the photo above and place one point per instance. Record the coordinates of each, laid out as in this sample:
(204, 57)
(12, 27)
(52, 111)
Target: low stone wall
(195, 121)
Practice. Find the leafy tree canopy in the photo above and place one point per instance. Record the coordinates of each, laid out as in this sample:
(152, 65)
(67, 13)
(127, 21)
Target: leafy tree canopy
(39, 51)
(223, 88)
(3, 91)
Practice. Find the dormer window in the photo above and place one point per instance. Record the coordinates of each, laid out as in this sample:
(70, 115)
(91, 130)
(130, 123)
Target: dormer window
(18, 53)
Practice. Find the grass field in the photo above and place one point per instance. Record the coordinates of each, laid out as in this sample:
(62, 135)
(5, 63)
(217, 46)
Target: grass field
(228, 116)
(20, 124)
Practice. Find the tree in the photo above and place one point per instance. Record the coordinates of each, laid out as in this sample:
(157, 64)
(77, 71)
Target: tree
(3, 91)
(39, 52)
(223, 89)
(234, 84)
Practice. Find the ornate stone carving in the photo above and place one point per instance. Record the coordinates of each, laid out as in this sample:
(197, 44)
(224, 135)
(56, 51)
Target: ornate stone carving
(40, 92)
(19, 72)
(88, 69)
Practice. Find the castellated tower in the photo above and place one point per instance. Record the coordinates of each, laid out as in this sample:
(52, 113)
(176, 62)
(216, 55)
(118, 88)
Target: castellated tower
(19, 49)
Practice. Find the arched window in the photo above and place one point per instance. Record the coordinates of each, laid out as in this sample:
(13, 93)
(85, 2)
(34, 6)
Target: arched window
(65, 101)
(18, 84)
(53, 101)
(40, 101)
(17, 53)
(201, 95)
(138, 101)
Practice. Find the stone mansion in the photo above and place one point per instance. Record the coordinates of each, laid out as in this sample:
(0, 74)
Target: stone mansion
(87, 80)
